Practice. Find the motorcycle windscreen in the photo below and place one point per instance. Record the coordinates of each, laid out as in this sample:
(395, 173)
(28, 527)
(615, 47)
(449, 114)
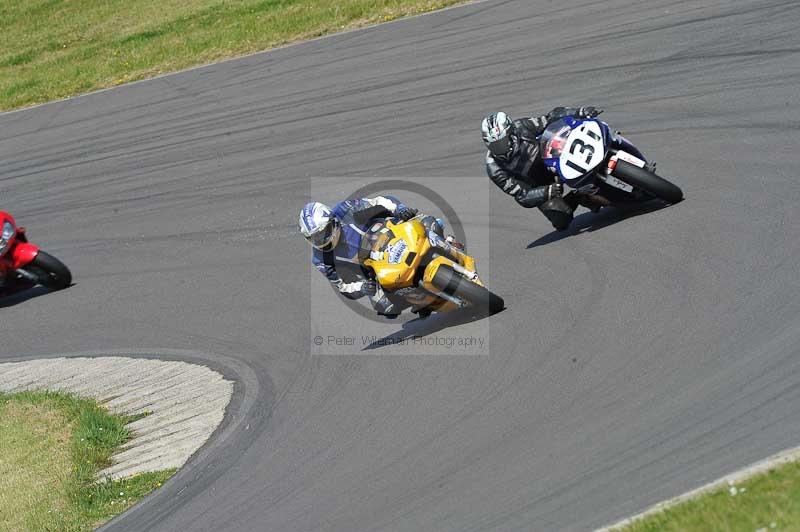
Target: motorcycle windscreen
(554, 139)
(375, 239)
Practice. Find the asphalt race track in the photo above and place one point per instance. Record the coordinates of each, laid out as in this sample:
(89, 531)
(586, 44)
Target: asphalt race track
(639, 356)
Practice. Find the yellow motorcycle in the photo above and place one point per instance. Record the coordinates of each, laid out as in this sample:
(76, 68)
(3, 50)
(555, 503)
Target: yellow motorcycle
(414, 264)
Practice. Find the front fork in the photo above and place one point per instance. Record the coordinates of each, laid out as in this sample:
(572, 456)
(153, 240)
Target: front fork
(22, 252)
(592, 196)
(621, 143)
(462, 265)
(20, 255)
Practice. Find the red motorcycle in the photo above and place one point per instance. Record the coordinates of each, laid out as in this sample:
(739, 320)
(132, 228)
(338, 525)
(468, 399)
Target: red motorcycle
(23, 265)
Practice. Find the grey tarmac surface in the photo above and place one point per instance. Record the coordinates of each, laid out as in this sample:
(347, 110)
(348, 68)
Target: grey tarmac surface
(638, 357)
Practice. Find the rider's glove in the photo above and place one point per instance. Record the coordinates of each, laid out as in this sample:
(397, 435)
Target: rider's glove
(358, 289)
(406, 213)
(369, 287)
(531, 197)
(589, 112)
(555, 191)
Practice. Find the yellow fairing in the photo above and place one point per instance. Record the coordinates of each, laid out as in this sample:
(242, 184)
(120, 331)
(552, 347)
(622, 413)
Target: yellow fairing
(464, 260)
(395, 253)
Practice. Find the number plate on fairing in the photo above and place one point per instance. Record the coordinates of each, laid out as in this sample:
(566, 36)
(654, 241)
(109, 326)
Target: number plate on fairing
(616, 183)
(396, 250)
(584, 151)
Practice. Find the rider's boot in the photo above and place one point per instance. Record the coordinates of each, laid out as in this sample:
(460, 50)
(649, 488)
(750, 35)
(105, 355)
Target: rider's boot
(455, 243)
(385, 306)
(590, 201)
(437, 226)
(433, 224)
(572, 199)
(423, 312)
(559, 212)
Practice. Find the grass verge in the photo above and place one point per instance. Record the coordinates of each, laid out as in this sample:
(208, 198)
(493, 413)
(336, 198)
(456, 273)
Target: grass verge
(52, 49)
(765, 502)
(51, 447)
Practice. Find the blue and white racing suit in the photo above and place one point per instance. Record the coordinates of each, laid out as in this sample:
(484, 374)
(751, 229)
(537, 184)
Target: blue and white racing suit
(355, 216)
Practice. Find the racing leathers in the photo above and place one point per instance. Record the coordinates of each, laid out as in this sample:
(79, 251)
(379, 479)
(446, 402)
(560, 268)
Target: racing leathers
(355, 217)
(524, 176)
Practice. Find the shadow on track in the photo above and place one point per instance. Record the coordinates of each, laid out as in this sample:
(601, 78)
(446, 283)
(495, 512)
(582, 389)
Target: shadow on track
(22, 296)
(589, 221)
(421, 327)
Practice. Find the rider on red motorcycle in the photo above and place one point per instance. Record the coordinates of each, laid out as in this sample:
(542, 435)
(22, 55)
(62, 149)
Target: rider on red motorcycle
(23, 265)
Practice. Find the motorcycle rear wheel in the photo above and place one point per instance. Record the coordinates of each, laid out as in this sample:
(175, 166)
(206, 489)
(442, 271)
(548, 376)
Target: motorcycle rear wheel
(478, 297)
(648, 181)
(52, 273)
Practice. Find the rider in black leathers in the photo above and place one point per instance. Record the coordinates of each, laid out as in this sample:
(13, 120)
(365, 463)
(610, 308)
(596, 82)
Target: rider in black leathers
(514, 164)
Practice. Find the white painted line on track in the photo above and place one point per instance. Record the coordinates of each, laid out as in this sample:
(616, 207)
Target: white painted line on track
(186, 402)
(783, 457)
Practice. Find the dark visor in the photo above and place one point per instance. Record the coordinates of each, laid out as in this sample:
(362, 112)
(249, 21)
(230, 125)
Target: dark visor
(322, 238)
(500, 147)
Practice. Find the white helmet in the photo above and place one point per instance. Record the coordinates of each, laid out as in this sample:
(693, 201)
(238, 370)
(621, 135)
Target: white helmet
(319, 226)
(499, 135)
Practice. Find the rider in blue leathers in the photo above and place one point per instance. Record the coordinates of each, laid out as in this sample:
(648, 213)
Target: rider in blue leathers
(336, 234)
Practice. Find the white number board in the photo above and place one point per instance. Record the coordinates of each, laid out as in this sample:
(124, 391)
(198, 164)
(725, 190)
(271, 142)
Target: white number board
(583, 152)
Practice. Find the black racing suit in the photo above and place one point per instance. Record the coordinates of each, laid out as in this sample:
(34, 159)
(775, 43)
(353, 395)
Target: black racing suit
(524, 175)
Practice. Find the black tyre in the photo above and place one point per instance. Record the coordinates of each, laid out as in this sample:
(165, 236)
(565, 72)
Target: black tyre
(648, 181)
(51, 272)
(479, 297)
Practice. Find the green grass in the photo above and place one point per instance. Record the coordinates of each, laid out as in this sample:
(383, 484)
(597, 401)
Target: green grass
(769, 501)
(51, 49)
(51, 447)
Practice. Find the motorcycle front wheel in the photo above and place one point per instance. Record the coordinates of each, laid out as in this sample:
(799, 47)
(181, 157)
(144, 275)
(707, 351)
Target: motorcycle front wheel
(51, 272)
(478, 297)
(648, 181)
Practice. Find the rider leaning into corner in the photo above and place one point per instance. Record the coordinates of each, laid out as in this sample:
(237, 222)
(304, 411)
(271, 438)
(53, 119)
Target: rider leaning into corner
(335, 235)
(514, 163)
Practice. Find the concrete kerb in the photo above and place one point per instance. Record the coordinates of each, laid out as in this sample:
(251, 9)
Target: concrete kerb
(171, 391)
